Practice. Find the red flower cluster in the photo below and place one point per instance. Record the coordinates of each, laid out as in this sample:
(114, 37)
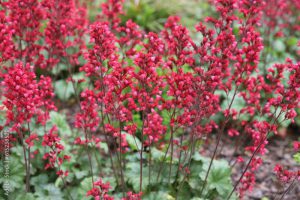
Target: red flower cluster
(88, 119)
(296, 145)
(148, 85)
(26, 97)
(23, 23)
(100, 191)
(132, 196)
(54, 157)
(30, 140)
(66, 20)
(284, 175)
(111, 11)
(281, 14)
(21, 34)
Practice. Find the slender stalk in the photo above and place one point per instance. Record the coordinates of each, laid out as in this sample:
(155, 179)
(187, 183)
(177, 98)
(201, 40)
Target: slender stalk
(192, 150)
(193, 147)
(89, 156)
(172, 152)
(179, 160)
(27, 186)
(212, 158)
(28, 165)
(141, 168)
(236, 146)
(115, 145)
(119, 161)
(253, 154)
(62, 178)
(85, 131)
(97, 159)
(122, 164)
(169, 144)
(220, 133)
(111, 160)
(110, 151)
(288, 189)
(149, 163)
(162, 162)
(26, 169)
(65, 185)
(245, 170)
(141, 154)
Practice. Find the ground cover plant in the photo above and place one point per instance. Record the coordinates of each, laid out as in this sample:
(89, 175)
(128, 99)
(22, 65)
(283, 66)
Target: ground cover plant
(118, 101)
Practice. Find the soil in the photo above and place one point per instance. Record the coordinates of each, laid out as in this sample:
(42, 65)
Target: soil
(267, 187)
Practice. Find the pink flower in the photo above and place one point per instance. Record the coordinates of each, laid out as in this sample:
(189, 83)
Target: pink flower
(30, 140)
(100, 190)
(296, 145)
(233, 132)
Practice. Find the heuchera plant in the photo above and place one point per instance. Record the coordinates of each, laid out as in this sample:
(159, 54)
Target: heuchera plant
(150, 98)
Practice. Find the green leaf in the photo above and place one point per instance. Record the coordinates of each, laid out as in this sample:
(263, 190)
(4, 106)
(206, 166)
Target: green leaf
(41, 179)
(63, 90)
(279, 45)
(297, 157)
(157, 155)
(237, 104)
(194, 182)
(16, 173)
(25, 196)
(137, 120)
(218, 178)
(184, 192)
(195, 168)
(104, 146)
(133, 142)
(158, 195)
(49, 192)
(187, 68)
(84, 187)
(81, 173)
(292, 41)
(60, 67)
(60, 121)
(166, 117)
(132, 171)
